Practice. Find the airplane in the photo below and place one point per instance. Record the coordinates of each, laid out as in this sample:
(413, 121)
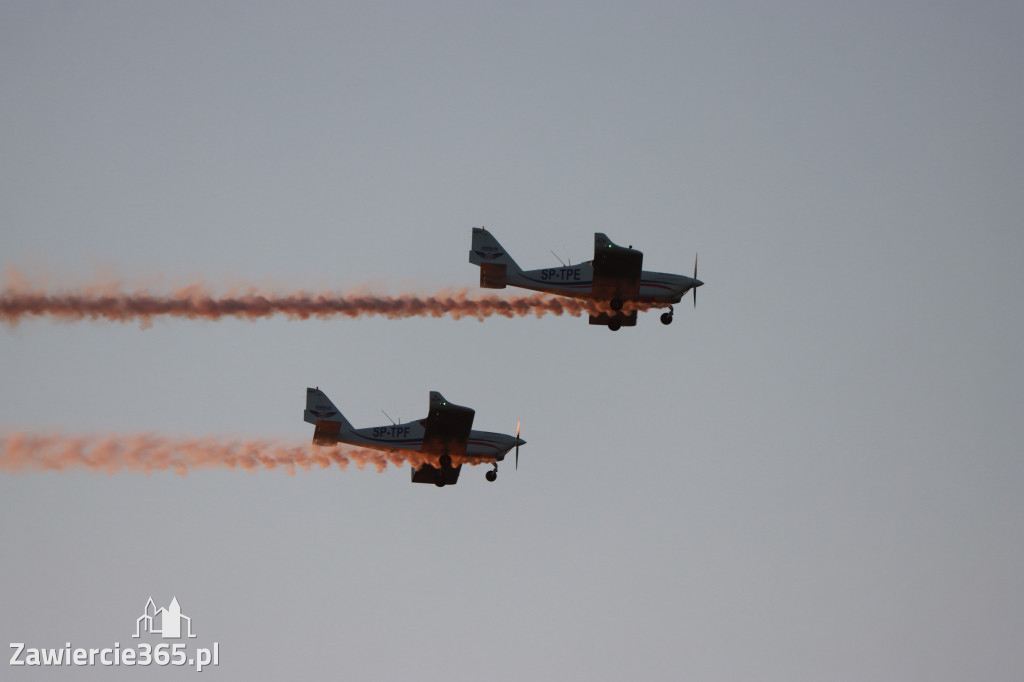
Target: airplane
(614, 276)
(443, 434)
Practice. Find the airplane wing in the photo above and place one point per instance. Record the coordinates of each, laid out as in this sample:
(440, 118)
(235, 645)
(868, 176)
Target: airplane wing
(430, 474)
(616, 270)
(446, 427)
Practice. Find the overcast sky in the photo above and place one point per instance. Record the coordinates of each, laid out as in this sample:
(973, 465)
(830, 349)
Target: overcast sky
(815, 474)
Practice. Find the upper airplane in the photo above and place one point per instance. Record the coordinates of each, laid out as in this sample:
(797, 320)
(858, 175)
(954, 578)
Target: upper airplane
(614, 277)
(444, 433)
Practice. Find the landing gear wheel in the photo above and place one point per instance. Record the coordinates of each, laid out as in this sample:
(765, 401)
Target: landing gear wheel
(666, 318)
(446, 461)
(616, 304)
(491, 476)
(439, 483)
(615, 325)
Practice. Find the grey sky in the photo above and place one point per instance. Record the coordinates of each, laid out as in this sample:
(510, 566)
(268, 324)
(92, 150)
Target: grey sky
(816, 474)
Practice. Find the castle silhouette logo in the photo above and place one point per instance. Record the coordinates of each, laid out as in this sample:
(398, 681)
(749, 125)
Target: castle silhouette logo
(164, 622)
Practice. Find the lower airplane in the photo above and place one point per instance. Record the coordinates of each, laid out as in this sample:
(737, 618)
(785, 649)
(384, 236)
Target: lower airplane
(443, 434)
(615, 277)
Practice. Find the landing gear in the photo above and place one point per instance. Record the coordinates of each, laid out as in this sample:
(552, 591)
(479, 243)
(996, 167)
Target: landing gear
(666, 318)
(616, 304)
(492, 475)
(444, 466)
(615, 325)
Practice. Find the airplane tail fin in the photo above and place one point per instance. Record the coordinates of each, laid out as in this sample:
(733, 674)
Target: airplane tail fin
(495, 263)
(322, 412)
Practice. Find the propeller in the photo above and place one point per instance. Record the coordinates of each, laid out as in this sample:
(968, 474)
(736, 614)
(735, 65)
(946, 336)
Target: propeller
(518, 422)
(696, 282)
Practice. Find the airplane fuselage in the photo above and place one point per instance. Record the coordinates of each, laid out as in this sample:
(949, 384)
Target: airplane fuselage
(409, 436)
(577, 281)
(614, 277)
(444, 438)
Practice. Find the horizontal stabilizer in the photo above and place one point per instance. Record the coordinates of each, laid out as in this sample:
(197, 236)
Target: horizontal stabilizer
(493, 276)
(326, 433)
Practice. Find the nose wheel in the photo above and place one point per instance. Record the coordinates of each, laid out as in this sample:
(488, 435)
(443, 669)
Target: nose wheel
(492, 475)
(666, 318)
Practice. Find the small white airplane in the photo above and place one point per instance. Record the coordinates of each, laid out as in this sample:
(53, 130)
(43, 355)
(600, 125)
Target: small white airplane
(614, 277)
(445, 433)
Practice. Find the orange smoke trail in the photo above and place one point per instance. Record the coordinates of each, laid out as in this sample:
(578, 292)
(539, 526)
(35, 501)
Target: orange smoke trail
(146, 453)
(195, 302)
